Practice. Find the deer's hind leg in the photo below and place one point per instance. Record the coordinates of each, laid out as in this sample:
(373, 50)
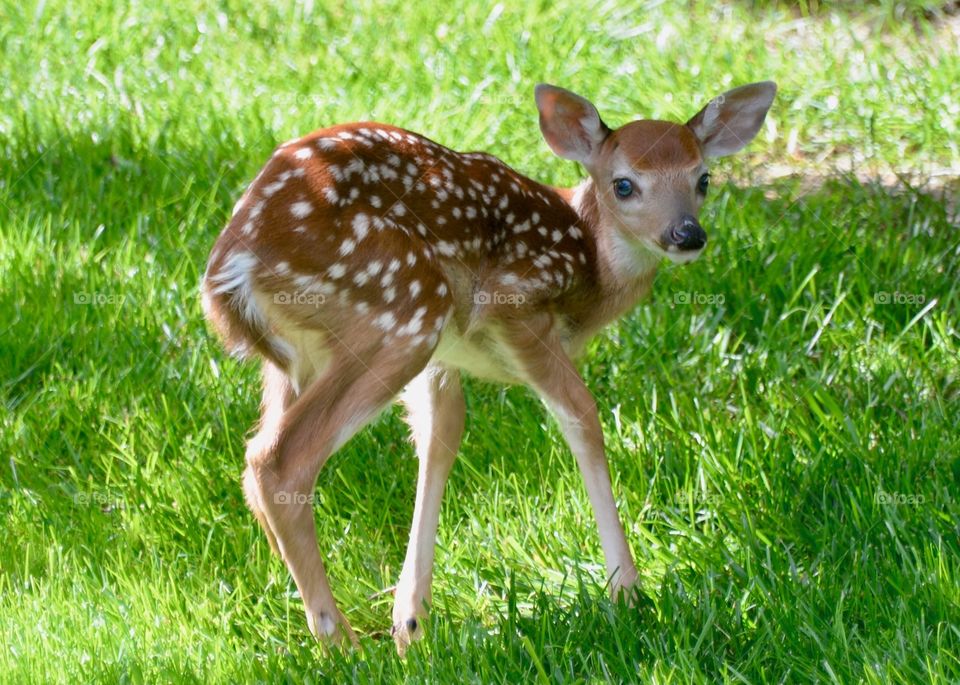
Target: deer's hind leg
(350, 391)
(280, 389)
(278, 394)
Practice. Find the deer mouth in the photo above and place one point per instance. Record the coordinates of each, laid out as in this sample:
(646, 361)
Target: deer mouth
(680, 256)
(671, 251)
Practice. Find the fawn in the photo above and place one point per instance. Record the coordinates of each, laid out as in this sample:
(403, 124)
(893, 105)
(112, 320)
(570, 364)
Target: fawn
(366, 263)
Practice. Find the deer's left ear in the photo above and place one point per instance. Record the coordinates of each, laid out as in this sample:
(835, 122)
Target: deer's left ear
(570, 124)
(731, 120)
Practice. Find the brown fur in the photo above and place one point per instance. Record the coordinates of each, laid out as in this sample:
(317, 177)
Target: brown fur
(656, 146)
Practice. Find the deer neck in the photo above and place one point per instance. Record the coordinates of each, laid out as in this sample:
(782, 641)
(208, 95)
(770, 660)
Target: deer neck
(624, 271)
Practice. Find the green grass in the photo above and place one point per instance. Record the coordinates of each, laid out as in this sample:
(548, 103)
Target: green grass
(781, 416)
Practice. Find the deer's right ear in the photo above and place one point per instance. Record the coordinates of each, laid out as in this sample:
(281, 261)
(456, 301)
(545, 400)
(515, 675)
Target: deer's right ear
(570, 124)
(730, 121)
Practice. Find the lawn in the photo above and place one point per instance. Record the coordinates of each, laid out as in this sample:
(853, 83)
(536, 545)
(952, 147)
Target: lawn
(781, 416)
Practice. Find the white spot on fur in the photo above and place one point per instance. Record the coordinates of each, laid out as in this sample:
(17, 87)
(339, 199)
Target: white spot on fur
(301, 209)
(327, 143)
(415, 324)
(354, 167)
(385, 321)
(361, 225)
(271, 188)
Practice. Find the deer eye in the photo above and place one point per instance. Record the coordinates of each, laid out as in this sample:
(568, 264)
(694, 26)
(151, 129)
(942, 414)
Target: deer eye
(703, 184)
(622, 187)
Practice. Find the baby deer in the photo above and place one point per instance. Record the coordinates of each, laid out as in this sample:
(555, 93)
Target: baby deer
(366, 262)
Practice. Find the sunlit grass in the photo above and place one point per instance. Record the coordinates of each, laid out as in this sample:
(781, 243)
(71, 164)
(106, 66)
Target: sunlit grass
(780, 417)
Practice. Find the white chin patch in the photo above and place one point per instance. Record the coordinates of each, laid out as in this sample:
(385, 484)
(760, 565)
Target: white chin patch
(682, 256)
(674, 254)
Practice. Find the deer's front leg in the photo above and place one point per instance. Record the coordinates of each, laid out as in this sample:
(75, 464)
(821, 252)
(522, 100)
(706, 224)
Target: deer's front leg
(435, 413)
(551, 373)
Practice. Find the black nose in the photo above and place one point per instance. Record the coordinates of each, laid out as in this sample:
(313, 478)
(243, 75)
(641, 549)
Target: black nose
(687, 234)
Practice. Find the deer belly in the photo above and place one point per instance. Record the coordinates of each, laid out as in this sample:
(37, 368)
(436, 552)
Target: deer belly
(481, 356)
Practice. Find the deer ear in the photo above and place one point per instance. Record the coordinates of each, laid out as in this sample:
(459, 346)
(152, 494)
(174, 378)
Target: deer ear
(570, 124)
(731, 120)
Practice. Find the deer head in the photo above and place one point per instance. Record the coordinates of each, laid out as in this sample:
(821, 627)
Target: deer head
(649, 178)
